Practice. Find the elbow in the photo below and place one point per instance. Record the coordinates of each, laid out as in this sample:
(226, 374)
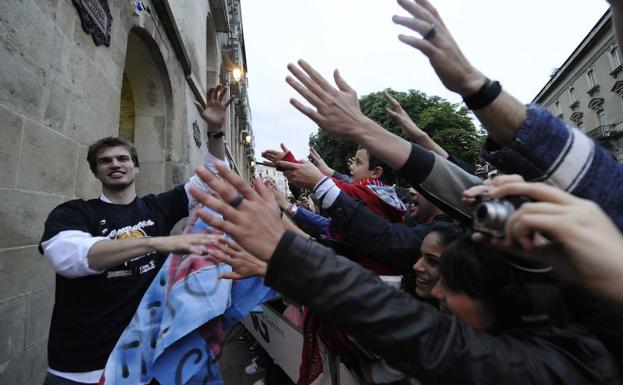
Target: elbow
(65, 268)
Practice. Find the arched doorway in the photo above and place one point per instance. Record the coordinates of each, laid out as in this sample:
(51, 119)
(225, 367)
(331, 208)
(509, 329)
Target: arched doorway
(146, 109)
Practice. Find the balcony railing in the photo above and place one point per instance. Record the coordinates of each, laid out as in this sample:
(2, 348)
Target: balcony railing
(602, 132)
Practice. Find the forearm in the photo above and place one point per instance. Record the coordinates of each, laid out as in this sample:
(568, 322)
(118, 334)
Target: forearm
(216, 146)
(111, 253)
(428, 143)
(502, 118)
(289, 225)
(394, 244)
(386, 146)
(311, 220)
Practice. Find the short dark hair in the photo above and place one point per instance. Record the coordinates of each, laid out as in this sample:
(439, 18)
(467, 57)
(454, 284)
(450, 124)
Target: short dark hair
(389, 175)
(448, 231)
(105, 143)
(516, 297)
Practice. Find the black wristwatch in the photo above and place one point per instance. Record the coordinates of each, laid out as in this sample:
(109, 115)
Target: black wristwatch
(216, 135)
(485, 95)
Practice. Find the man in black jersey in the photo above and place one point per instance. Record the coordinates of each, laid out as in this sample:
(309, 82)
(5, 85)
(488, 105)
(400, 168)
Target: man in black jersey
(106, 251)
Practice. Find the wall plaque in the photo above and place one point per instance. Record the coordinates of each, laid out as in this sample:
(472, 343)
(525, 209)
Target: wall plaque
(96, 19)
(197, 134)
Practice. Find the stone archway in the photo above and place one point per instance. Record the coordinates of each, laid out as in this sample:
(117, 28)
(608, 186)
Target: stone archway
(146, 109)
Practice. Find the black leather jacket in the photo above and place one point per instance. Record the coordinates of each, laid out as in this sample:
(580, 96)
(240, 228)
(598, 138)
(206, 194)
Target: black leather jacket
(423, 343)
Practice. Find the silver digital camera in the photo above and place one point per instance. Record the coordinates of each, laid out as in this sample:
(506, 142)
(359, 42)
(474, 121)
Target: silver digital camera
(490, 215)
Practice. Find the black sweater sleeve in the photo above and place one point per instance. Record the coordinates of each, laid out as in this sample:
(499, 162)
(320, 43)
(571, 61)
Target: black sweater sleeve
(393, 244)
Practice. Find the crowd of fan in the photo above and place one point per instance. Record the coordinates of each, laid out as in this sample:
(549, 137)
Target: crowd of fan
(512, 278)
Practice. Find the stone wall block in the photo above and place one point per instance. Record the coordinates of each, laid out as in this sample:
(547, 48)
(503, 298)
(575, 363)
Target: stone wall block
(94, 110)
(48, 7)
(21, 85)
(87, 186)
(149, 138)
(12, 328)
(66, 17)
(23, 215)
(31, 28)
(83, 40)
(58, 104)
(11, 125)
(47, 161)
(151, 178)
(27, 368)
(180, 173)
(23, 270)
(39, 305)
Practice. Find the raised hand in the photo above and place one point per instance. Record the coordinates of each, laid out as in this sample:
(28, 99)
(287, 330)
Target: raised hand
(272, 187)
(255, 222)
(408, 127)
(337, 110)
(304, 175)
(322, 165)
(242, 262)
(275, 155)
(214, 112)
(452, 67)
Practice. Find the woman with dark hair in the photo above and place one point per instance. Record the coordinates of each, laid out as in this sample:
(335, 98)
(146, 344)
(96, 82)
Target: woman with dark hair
(426, 270)
(496, 292)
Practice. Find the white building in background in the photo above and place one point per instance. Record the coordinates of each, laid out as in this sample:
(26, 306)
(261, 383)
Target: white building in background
(587, 90)
(282, 183)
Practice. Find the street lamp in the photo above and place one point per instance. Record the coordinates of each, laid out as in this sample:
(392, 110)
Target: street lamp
(252, 164)
(247, 139)
(237, 74)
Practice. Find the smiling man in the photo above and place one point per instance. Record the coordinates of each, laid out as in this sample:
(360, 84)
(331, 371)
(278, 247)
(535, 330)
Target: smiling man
(107, 251)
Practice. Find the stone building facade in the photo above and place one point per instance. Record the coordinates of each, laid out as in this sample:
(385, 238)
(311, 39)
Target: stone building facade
(587, 90)
(60, 91)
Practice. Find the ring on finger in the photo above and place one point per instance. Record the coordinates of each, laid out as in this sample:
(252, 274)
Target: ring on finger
(432, 32)
(236, 201)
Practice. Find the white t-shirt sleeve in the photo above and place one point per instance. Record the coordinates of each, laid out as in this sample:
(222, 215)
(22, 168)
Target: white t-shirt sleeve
(67, 252)
(326, 192)
(209, 162)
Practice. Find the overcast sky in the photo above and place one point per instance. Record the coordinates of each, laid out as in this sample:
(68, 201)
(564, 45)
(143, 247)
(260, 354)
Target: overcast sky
(516, 42)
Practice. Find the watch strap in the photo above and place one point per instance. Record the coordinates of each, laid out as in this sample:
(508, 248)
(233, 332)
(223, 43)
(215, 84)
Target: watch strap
(216, 135)
(485, 95)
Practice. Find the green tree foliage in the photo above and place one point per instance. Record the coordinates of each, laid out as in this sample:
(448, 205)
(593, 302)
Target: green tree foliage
(447, 124)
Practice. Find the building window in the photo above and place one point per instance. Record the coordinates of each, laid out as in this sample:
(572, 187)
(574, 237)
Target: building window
(572, 94)
(592, 79)
(558, 109)
(614, 57)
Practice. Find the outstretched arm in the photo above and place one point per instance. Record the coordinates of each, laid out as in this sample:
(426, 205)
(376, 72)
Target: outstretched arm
(110, 253)
(214, 114)
(320, 163)
(410, 129)
(337, 111)
(504, 116)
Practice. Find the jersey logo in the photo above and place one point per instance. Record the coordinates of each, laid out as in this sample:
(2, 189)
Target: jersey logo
(129, 232)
